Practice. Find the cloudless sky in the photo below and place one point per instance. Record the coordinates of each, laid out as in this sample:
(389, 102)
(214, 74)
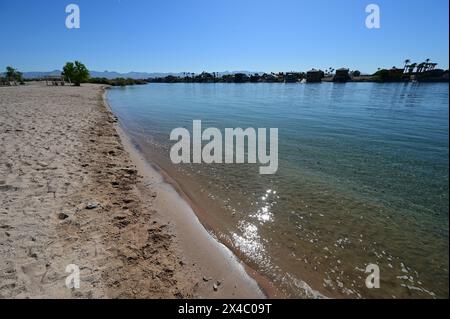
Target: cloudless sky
(219, 35)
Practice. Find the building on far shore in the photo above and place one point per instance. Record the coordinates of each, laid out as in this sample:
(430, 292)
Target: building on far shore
(314, 76)
(342, 75)
(290, 78)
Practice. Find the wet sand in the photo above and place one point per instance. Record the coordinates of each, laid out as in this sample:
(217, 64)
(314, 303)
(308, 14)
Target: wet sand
(73, 190)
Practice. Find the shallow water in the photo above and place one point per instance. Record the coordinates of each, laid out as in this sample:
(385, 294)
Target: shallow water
(363, 178)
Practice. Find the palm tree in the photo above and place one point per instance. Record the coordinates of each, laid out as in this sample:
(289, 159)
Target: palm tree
(427, 64)
(411, 67)
(420, 67)
(407, 61)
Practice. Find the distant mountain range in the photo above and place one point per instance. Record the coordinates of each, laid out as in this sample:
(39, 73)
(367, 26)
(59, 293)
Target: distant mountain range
(114, 75)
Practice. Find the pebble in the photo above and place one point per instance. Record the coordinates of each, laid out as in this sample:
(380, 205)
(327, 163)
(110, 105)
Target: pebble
(63, 216)
(92, 205)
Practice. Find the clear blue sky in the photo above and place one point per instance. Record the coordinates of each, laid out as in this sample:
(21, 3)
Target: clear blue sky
(219, 35)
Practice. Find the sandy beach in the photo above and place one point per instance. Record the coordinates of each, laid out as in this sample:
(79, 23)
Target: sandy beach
(73, 190)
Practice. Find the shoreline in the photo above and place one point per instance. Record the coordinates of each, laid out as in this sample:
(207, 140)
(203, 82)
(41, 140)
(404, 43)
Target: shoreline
(78, 186)
(196, 218)
(199, 207)
(70, 194)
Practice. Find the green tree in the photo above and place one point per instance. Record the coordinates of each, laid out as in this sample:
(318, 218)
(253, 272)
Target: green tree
(13, 75)
(76, 73)
(10, 73)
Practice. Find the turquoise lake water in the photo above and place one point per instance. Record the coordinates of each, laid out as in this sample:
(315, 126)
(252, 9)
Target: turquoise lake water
(362, 179)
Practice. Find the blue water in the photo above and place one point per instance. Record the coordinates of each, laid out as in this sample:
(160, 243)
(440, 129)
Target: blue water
(363, 178)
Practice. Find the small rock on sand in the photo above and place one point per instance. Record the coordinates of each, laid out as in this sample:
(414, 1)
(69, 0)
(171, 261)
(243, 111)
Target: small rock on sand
(62, 216)
(92, 205)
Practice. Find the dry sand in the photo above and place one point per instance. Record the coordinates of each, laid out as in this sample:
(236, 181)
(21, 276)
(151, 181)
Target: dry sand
(62, 150)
